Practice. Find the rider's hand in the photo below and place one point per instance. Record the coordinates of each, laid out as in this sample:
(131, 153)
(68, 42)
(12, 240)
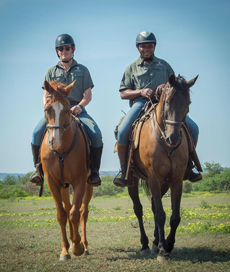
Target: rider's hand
(148, 93)
(76, 109)
(159, 90)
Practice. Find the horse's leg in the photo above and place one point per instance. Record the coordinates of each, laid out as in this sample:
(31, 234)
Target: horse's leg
(67, 207)
(61, 217)
(159, 214)
(84, 211)
(138, 210)
(164, 189)
(176, 192)
(74, 215)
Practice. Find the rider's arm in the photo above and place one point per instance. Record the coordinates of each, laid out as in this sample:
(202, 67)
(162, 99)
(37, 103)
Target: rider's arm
(86, 98)
(132, 94)
(84, 102)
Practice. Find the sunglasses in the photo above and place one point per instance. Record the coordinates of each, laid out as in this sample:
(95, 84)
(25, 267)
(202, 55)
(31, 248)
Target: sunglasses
(61, 48)
(145, 46)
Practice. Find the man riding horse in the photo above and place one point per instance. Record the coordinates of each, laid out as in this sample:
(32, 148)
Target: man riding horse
(140, 82)
(66, 71)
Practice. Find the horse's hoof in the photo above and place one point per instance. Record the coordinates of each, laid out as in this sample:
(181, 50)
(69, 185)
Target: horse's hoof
(79, 251)
(155, 249)
(64, 257)
(162, 258)
(145, 251)
(86, 252)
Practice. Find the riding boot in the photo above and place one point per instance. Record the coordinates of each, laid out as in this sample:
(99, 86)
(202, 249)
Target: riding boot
(37, 176)
(193, 176)
(122, 154)
(95, 162)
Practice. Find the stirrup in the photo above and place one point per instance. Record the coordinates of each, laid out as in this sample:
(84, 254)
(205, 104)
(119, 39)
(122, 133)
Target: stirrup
(36, 178)
(194, 177)
(94, 182)
(120, 182)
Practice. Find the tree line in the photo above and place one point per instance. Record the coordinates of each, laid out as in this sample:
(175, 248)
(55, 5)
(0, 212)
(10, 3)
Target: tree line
(215, 178)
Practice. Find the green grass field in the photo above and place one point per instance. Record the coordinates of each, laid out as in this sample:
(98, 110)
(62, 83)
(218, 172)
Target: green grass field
(30, 236)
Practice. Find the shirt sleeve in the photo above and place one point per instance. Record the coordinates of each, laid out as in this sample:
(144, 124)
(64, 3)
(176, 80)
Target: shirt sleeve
(126, 82)
(87, 80)
(170, 70)
(47, 77)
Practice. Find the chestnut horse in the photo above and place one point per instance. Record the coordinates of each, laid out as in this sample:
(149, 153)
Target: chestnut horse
(162, 157)
(64, 161)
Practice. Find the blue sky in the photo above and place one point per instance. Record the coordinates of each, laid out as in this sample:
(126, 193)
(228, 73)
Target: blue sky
(192, 36)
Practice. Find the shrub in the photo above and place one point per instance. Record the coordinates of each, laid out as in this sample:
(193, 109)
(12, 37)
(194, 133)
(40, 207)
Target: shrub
(204, 204)
(187, 187)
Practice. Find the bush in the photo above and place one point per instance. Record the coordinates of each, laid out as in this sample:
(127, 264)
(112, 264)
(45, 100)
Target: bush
(187, 187)
(107, 188)
(204, 204)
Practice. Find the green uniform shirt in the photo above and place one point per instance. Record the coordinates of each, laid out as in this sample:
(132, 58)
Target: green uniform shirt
(77, 71)
(138, 74)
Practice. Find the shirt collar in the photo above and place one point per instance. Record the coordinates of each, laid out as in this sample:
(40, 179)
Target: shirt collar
(141, 62)
(74, 63)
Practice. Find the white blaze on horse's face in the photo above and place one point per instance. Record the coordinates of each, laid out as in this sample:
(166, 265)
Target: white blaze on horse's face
(57, 107)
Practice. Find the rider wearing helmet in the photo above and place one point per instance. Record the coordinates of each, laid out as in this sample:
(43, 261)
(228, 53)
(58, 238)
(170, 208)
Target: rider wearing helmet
(139, 83)
(66, 71)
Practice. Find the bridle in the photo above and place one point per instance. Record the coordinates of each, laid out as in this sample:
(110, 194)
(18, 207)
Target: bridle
(167, 147)
(165, 120)
(62, 157)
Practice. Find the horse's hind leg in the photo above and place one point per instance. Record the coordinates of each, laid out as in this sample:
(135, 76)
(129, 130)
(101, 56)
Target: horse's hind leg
(84, 211)
(138, 210)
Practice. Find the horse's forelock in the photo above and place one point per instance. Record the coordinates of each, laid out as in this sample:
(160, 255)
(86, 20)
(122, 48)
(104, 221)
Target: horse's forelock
(181, 84)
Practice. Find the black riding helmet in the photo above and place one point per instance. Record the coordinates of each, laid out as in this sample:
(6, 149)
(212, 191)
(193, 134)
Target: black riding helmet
(64, 39)
(145, 37)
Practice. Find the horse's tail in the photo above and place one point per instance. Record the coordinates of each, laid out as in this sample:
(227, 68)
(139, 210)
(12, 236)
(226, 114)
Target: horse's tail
(145, 186)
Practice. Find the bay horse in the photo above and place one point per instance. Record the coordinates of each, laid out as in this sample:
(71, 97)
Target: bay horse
(64, 162)
(162, 157)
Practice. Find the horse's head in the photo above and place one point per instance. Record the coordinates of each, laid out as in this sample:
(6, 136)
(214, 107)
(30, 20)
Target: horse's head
(57, 111)
(175, 100)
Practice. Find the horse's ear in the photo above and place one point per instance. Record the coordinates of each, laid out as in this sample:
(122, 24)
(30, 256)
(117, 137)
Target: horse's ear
(69, 88)
(172, 79)
(48, 87)
(191, 82)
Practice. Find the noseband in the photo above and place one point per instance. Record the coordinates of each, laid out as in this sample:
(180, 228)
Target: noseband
(60, 127)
